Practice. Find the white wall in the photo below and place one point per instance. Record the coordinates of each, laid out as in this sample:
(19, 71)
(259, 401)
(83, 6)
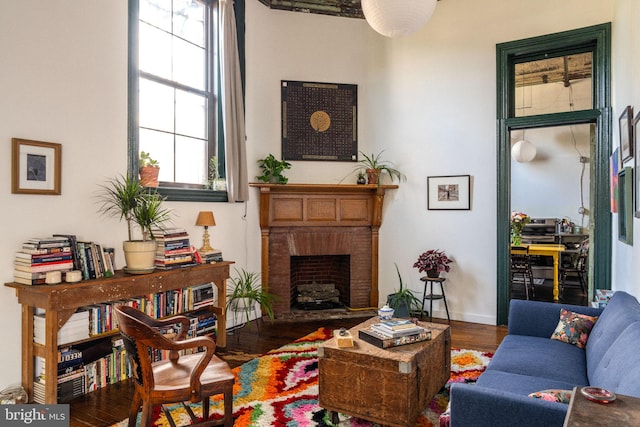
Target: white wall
(626, 91)
(428, 100)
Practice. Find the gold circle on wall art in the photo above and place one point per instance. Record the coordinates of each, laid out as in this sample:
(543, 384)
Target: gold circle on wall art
(320, 121)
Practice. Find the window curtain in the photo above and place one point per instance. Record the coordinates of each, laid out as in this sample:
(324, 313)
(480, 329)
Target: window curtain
(232, 104)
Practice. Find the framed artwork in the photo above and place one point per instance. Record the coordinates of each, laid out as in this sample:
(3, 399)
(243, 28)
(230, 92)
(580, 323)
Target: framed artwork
(35, 167)
(625, 205)
(636, 187)
(626, 134)
(319, 121)
(613, 179)
(449, 192)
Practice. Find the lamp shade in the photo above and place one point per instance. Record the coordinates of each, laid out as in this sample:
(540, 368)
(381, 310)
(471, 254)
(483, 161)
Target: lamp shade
(523, 151)
(205, 218)
(395, 18)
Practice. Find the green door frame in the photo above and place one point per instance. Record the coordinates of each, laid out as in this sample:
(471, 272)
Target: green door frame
(596, 39)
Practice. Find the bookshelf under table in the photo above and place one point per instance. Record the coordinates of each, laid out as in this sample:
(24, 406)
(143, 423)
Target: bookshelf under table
(61, 301)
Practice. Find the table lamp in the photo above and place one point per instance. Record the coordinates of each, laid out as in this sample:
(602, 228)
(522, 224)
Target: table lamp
(205, 218)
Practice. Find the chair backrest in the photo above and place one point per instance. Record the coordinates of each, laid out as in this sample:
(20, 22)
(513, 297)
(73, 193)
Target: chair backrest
(140, 340)
(520, 259)
(583, 257)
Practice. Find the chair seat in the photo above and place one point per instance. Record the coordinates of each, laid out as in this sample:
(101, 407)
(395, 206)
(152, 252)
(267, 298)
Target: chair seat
(175, 376)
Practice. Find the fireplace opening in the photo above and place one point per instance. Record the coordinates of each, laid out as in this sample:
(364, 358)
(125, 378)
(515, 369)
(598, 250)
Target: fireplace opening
(320, 282)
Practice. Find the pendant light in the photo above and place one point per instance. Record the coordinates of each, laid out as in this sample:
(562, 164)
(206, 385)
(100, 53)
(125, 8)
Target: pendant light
(396, 18)
(523, 151)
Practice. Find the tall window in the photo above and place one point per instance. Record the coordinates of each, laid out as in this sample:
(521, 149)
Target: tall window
(177, 101)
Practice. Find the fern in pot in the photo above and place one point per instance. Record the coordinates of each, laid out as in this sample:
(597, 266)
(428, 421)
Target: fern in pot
(244, 292)
(403, 301)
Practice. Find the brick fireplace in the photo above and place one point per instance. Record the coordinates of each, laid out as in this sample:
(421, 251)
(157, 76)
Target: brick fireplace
(328, 233)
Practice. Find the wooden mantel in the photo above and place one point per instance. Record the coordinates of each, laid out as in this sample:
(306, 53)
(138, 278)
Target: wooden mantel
(330, 206)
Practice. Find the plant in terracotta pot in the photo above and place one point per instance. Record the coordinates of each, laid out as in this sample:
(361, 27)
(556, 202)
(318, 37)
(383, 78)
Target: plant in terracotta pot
(244, 291)
(125, 197)
(149, 169)
(272, 170)
(433, 262)
(403, 301)
(374, 167)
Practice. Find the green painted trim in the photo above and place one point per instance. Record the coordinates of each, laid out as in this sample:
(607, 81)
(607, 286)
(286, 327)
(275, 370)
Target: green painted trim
(596, 39)
(133, 124)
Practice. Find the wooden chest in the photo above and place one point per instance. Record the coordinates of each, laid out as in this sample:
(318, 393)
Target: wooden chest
(386, 386)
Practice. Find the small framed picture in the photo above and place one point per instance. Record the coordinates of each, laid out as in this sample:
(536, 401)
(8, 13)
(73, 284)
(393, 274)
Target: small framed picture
(637, 166)
(449, 192)
(625, 205)
(626, 134)
(35, 167)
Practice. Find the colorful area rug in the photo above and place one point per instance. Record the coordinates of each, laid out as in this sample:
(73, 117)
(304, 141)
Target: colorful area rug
(280, 388)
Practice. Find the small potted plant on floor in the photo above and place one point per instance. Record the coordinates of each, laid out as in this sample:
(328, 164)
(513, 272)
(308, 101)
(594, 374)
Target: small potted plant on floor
(244, 292)
(272, 170)
(403, 301)
(149, 170)
(126, 198)
(433, 262)
(374, 167)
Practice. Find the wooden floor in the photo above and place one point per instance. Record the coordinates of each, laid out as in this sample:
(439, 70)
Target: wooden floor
(108, 406)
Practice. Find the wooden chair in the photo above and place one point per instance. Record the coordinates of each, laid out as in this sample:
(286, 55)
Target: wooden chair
(178, 378)
(521, 269)
(577, 268)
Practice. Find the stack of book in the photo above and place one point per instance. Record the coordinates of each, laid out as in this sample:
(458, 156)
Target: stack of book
(40, 255)
(174, 249)
(75, 329)
(95, 260)
(211, 257)
(394, 332)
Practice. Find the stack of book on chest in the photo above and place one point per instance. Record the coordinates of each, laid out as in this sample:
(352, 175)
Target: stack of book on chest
(395, 332)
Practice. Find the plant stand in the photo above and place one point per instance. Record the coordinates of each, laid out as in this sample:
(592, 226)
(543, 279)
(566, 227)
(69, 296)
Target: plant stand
(429, 281)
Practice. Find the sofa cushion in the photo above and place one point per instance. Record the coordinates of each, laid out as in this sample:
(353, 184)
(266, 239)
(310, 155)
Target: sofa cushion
(619, 369)
(621, 311)
(573, 328)
(520, 384)
(541, 357)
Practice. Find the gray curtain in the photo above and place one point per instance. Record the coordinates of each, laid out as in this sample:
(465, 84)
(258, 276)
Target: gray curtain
(232, 106)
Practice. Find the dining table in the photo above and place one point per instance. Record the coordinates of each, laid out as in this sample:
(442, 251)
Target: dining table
(551, 250)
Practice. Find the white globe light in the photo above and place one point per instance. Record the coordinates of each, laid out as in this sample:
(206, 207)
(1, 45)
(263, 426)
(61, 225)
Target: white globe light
(394, 18)
(523, 151)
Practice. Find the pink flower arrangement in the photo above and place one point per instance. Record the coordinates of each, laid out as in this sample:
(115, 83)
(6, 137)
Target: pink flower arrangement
(433, 259)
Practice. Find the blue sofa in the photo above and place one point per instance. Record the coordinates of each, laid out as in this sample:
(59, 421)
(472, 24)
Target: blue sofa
(528, 361)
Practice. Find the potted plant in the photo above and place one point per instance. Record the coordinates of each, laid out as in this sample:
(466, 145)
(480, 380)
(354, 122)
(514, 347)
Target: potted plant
(148, 169)
(374, 167)
(126, 198)
(245, 291)
(403, 301)
(433, 262)
(272, 169)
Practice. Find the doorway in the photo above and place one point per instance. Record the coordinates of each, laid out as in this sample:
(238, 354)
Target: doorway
(555, 51)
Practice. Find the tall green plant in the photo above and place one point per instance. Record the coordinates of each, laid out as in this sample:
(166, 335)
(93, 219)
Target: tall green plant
(246, 285)
(123, 197)
(403, 299)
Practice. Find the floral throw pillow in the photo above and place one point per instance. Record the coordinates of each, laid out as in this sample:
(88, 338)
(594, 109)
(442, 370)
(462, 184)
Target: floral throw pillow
(573, 328)
(553, 395)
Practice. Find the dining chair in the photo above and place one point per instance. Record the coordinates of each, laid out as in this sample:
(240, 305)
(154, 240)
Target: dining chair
(578, 268)
(521, 272)
(177, 378)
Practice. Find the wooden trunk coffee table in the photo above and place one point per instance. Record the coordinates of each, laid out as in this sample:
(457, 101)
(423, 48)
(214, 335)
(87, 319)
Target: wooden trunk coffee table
(387, 386)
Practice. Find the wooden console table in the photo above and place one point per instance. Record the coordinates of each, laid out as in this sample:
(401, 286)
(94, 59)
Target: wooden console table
(61, 301)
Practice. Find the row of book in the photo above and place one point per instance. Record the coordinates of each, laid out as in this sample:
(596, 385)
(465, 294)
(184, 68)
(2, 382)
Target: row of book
(84, 368)
(61, 252)
(393, 333)
(99, 319)
(174, 249)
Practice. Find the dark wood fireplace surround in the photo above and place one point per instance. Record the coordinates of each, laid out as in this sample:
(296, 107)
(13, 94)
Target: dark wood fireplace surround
(319, 219)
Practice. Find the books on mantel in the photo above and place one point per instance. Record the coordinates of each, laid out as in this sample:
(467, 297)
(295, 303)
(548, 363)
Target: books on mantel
(174, 248)
(383, 337)
(40, 255)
